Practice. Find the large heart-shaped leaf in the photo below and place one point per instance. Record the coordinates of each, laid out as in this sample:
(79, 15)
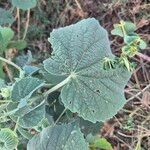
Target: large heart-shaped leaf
(24, 4)
(94, 93)
(59, 137)
(24, 88)
(6, 17)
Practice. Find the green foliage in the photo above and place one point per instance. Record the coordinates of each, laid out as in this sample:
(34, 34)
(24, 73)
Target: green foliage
(24, 4)
(6, 17)
(133, 43)
(123, 28)
(92, 92)
(8, 139)
(100, 143)
(2, 75)
(66, 137)
(81, 81)
(19, 45)
(6, 34)
(88, 127)
(24, 88)
(33, 117)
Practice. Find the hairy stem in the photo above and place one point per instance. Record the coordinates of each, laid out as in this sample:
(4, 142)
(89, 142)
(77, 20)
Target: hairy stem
(57, 86)
(11, 63)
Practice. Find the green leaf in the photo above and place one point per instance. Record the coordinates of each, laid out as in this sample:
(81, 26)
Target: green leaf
(24, 4)
(19, 111)
(6, 34)
(131, 39)
(8, 139)
(2, 83)
(24, 88)
(129, 28)
(65, 137)
(17, 44)
(6, 17)
(33, 117)
(25, 133)
(24, 59)
(88, 127)
(94, 93)
(30, 70)
(51, 78)
(102, 143)
(142, 44)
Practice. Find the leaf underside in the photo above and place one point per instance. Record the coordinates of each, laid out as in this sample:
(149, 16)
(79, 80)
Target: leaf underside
(59, 137)
(94, 93)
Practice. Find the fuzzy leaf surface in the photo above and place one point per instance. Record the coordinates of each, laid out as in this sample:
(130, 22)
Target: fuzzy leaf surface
(6, 17)
(33, 117)
(24, 4)
(24, 88)
(59, 137)
(78, 51)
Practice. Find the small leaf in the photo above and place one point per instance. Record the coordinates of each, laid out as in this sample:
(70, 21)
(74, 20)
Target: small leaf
(117, 30)
(102, 143)
(24, 59)
(19, 45)
(131, 39)
(8, 139)
(6, 34)
(24, 88)
(124, 28)
(2, 83)
(94, 93)
(142, 44)
(6, 17)
(24, 4)
(129, 27)
(33, 117)
(59, 137)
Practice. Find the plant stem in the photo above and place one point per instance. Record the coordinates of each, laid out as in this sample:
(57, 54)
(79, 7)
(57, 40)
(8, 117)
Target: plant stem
(122, 28)
(16, 126)
(11, 63)
(60, 116)
(57, 86)
(5, 101)
(18, 26)
(27, 24)
(9, 113)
